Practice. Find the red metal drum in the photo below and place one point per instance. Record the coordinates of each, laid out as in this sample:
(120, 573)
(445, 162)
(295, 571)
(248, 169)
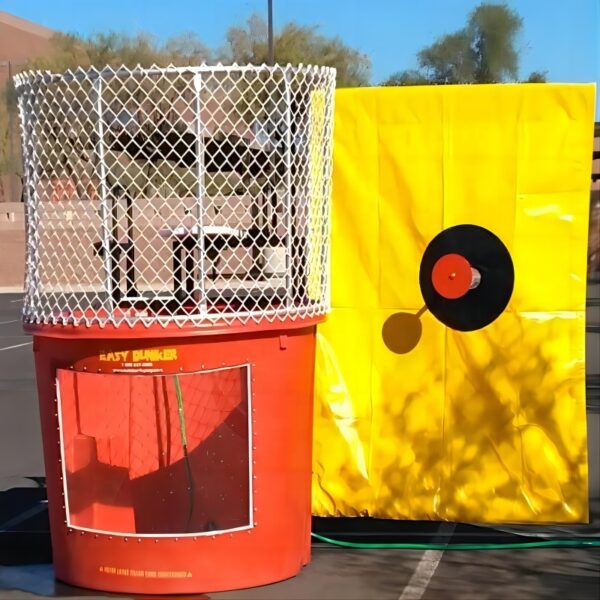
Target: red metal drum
(178, 460)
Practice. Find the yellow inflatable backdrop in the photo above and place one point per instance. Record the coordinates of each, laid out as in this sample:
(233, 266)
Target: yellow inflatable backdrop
(480, 426)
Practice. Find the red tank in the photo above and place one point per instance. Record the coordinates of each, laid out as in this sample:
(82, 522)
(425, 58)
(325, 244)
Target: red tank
(177, 460)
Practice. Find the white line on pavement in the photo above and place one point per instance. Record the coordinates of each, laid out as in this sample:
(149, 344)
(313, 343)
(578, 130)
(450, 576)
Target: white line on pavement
(426, 568)
(15, 346)
(34, 510)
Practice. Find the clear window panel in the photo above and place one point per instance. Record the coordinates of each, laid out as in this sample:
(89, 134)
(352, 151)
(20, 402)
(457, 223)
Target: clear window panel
(156, 454)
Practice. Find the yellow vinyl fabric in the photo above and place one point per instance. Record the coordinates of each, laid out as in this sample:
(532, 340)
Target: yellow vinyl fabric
(480, 426)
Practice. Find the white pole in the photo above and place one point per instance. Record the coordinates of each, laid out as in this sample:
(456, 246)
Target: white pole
(200, 192)
(103, 194)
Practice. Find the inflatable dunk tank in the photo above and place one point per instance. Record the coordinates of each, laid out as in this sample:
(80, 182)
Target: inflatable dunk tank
(173, 303)
(450, 380)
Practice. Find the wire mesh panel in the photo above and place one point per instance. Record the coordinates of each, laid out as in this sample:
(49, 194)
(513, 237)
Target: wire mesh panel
(186, 195)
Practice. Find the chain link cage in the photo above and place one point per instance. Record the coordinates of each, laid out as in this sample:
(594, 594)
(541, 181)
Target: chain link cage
(187, 195)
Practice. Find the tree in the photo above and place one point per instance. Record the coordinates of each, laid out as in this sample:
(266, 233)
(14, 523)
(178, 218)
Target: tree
(5, 159)
(296, 44)
(244, 44)
(410, 77)
(187, 49)
(10, 156)
(117, 49)
(448, 60)
(493, 31)
(484, 51)
(537, 77)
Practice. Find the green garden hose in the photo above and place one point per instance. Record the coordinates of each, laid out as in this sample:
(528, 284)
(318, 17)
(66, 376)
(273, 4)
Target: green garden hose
(579, 543)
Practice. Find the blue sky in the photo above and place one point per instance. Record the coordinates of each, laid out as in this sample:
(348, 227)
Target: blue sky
(559, 36)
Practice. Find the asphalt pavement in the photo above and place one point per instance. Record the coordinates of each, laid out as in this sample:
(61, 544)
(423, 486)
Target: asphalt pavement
(25, 554)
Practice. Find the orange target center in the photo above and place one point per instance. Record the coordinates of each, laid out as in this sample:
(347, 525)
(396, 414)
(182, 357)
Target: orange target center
(452, 276)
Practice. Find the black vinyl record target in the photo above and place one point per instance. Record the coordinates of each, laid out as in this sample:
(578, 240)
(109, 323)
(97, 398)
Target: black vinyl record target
(488, 258)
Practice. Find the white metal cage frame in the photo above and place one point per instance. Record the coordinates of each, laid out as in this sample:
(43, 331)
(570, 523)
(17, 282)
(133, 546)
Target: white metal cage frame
(186, 195)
